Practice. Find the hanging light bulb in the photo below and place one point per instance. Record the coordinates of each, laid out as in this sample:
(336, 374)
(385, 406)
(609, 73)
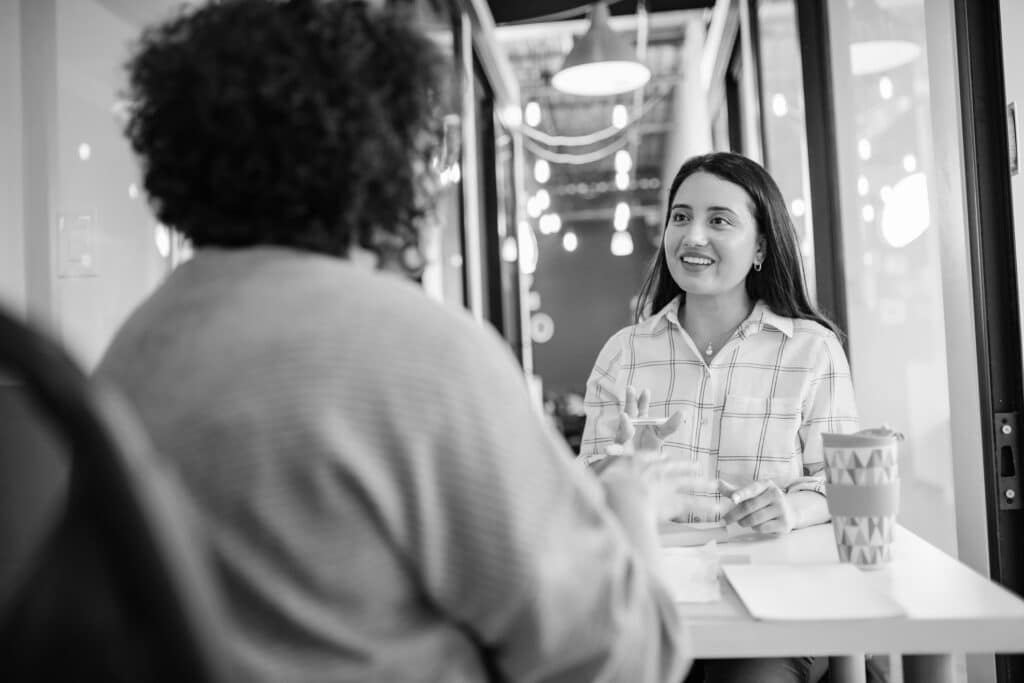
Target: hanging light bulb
(600, 62)
(527, 248)
(532, 114)
(623, 162)
(509, 250)
(879, 41)
(570, 241)
(541, 171)
(622, 243)
(543, 199)
(620, 117)
(621, 220)
(550, 223)
(533, 209)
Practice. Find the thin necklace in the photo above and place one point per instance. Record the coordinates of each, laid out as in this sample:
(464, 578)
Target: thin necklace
(709, 350)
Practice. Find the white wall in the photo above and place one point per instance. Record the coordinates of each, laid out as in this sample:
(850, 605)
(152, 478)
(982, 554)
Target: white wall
(62, 62)
(103, 270)
(12, 238)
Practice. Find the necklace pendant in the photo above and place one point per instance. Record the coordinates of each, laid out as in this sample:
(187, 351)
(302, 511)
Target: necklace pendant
(708, 350)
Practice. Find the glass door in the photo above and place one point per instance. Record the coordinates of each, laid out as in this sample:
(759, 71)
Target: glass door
(930, 288)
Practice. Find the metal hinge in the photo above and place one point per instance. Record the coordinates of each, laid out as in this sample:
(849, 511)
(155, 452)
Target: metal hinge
(1008, 461)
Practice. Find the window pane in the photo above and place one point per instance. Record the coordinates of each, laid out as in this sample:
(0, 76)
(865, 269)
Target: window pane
(888, 152)
(783, 111)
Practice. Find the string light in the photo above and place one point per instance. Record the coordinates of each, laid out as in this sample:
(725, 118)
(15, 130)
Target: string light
(623, 161)
(532, 114)
(621, 220)
(570, 241)
(620, 117)
(541, 171)
(622, 243)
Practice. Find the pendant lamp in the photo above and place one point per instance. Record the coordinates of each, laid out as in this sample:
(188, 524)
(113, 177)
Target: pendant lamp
(879, 41)
(600, 62)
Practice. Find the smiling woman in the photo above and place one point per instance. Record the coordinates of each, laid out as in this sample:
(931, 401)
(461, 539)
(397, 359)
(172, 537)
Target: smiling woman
(727, 344)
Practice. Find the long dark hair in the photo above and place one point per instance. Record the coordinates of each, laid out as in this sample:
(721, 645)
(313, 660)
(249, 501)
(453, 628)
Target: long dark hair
(780, 282)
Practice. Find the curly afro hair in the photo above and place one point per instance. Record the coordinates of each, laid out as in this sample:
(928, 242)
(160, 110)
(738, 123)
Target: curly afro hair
(299, 123)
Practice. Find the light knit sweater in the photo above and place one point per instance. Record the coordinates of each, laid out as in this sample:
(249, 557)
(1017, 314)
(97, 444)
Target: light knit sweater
(384, 503)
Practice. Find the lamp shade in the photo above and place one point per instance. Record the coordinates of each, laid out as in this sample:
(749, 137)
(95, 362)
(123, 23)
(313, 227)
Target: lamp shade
(600, 62)
(879, 41)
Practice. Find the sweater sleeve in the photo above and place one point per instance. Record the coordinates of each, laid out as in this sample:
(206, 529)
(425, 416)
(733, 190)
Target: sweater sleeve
(512, 538)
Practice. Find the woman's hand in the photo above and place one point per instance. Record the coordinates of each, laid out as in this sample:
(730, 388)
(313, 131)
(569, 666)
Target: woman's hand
(645, 438)
(761, 506)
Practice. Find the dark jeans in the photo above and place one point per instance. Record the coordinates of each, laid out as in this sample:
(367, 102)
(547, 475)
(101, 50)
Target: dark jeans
(776, 670)
(788, 670)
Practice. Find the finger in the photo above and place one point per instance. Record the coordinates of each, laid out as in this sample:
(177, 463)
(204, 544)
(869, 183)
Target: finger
(630, 407)
(624, 431)
(727, 489)
(747, 507)
(674, 420)
(775, 526)
(748, 492)
(759, 517)
(643, 402)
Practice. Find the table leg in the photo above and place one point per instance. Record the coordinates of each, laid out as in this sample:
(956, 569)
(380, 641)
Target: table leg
(848, 669)
(928, 669)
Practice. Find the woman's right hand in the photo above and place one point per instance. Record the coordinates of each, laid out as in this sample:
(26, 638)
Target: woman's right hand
(645, 438)
(669, 484)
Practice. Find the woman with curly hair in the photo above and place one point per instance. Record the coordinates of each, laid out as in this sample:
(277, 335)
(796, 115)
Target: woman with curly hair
(382, 500)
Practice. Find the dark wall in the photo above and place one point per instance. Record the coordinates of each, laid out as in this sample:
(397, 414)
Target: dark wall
(587, 293)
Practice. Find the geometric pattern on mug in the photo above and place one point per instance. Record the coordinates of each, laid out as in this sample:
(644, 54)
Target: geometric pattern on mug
(861, 476)
(849, 458)
(864, 539)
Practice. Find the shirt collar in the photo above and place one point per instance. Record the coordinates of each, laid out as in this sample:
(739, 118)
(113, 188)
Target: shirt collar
(760, 317)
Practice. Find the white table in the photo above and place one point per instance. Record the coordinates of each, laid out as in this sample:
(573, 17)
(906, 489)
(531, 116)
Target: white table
(950, 608)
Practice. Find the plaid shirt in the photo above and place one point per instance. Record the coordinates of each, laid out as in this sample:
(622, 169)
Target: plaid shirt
(756, 412)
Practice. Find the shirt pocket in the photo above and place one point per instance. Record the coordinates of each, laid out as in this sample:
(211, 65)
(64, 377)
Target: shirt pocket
(759, 438)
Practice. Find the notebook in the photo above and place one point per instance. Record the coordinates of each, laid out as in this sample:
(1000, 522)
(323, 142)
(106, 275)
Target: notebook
(785, 592)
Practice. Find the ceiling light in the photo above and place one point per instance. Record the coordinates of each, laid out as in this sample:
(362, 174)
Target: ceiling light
(542, 171)
(527, 249)
(570, 241)
(905, 215)
(543, 200)
(622, 244)
(620, 117)
(532, 114)
(885, 87)
(509, 250)
(600, 62)
(623, 162)
(621, 220)
(878, 40)
(779, 104)
(622, 180)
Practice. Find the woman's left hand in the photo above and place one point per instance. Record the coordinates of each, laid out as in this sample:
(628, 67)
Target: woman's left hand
(761, 506)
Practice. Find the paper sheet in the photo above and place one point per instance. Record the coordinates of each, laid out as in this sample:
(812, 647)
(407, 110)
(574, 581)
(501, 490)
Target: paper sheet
(782, 592)
(691, 574)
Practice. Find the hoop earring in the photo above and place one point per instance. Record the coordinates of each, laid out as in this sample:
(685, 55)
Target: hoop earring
(757, 267)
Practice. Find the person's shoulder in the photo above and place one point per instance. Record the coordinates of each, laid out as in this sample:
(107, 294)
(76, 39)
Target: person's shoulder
(812, 329)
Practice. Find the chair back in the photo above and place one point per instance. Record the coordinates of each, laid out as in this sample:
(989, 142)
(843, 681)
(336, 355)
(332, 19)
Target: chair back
(108, 579)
